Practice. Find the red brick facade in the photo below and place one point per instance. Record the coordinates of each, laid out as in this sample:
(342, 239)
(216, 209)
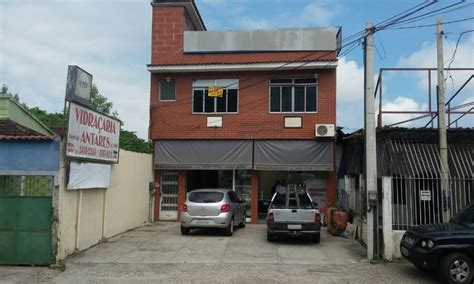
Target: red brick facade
(175, 120)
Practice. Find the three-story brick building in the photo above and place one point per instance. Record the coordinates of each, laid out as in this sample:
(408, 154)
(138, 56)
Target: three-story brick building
(240, 109)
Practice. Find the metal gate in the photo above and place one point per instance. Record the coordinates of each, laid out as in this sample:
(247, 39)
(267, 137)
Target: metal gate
(169, 195)
(26, 219)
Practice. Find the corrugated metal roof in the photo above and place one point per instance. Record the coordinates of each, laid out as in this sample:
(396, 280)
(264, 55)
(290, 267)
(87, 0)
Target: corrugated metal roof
(423, 160)
(411, 152)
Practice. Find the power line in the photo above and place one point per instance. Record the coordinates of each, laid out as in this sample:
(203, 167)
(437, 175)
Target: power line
(436, 12)
(431, 25)
(351, 45)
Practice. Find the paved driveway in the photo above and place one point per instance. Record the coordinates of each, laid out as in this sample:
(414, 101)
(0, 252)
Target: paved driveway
(159, 254)
(163, 243)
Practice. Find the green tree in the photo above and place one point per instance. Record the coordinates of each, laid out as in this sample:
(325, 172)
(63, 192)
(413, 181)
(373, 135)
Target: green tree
(128, 139)
(101, 103)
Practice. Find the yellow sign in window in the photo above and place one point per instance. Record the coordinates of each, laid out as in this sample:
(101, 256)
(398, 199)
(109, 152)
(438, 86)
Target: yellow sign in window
(215, 91)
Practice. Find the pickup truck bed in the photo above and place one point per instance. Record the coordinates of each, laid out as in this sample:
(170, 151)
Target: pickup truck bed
(293, 214)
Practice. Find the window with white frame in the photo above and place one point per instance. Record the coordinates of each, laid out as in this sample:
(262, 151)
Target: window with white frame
(293, 95)
(226, 103)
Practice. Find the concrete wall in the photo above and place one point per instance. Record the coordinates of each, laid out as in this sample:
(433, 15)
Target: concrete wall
(397, 238)
(37, 157)
(85, 217)
(262, 40)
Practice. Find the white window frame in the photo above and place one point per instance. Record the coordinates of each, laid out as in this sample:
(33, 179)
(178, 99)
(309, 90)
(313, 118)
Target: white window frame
(204, 89)
(292, 85)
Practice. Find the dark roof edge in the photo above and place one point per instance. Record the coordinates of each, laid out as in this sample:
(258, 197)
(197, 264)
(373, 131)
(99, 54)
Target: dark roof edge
(190, 7)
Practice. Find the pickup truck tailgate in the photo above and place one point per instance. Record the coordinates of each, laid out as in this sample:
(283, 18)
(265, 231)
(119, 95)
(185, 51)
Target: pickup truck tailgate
(294, 215)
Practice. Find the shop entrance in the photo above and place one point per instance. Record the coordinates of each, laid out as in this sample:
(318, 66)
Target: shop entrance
(237, 180)
(313, 182)
(208, 179)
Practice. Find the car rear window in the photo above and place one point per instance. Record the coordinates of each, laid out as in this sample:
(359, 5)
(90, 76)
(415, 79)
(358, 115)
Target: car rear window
(206, 197)
(280, 201)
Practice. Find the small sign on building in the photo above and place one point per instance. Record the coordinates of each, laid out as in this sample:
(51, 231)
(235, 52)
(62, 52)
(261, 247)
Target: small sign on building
(215, 91)
(425, 195)
(79, 85)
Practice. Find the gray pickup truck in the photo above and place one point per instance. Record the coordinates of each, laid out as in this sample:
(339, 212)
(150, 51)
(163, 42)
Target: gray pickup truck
(294, 214)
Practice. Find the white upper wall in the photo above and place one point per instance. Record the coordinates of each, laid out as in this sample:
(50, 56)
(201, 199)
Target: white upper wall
(310, 39)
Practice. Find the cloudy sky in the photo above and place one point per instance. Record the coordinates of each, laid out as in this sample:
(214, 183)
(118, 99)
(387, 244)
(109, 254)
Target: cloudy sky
(111, 40)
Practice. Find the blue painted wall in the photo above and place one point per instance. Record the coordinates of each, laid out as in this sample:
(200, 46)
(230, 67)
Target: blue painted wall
(29, 155)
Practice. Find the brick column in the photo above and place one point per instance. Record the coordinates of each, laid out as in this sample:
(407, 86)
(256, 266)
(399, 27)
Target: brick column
(254, 196)
(181, 190)
(156, 205)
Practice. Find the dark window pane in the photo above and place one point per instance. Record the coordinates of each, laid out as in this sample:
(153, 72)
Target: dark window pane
(286, 99)
(167, 90)
(305, 81)
(198, 100)
(206, 197)
(311, 99)
(222, 102)
(275, 99)
(209, 103)
(281, 81)
(299, 99)
(231, 100)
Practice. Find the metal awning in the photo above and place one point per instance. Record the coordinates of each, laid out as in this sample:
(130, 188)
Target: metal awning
(293, 155)
(203, 154)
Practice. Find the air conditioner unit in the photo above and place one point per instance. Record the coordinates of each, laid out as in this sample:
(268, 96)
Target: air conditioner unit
(324, 130)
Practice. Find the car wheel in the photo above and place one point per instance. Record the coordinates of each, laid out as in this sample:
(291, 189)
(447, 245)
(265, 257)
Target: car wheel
(244, 222)
(229, 231)
(316, 238)
(456, 268)
(270, 237)
(185, 231)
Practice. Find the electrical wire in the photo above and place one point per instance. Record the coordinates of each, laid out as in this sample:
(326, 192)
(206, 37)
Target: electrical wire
(433, 14)
(436, 12)
(351, 45)
(431, 25)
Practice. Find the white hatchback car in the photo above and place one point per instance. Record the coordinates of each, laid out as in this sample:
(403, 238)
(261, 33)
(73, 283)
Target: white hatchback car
(212, 208)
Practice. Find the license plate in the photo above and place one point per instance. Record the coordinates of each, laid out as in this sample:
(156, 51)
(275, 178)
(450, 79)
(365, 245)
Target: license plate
(294, 227)
(405, 252)
(203, 222)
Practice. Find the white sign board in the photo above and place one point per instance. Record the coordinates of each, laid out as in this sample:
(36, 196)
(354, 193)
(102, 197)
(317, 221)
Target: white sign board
(89, 175)
(293, 122)
(79, 85)
(214, 121)
(92, 135)
(425, 195)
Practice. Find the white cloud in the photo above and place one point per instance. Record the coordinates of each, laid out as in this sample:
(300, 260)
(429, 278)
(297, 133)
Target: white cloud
(350, 81)
(403, 104)
(253, 24)
(39, 40)
(320, 13)
(426, 56)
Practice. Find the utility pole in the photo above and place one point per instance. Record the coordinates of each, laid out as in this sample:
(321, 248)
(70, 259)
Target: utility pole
(443, 143)
(370, 143)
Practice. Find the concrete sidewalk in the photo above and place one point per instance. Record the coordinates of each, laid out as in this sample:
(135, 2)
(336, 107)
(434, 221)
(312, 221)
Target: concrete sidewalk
(163, 243)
